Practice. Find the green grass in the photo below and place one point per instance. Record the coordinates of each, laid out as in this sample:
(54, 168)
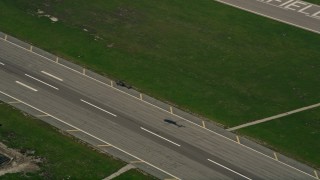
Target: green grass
(297, 135)
(313, 1)
(201, 56)
(223, 63)
(63, 156)
(133, 174)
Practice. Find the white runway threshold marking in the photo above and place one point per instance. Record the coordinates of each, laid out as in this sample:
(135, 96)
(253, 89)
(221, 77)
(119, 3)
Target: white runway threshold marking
(98, 108)
(55, 77)
(160, 136)
(228, 169)
(33, 89)
(42, 82)
(1, 64)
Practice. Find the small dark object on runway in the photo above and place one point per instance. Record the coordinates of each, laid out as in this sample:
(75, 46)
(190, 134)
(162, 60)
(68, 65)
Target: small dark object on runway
(123, 84)
(172, 122)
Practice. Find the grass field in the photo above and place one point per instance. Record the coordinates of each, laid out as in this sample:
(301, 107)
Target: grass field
(132, 174)
(303, 128)
(313, 1)
(217, 61)
(63, 156)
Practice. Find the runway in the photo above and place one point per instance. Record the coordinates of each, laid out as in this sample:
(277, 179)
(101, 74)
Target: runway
(115, 120)
(293, 12)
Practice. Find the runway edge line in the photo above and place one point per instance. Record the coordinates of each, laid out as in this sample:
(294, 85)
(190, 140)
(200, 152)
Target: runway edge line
(50, 60)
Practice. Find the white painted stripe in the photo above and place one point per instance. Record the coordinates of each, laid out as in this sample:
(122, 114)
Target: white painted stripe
(1, 64)
(160, 136)
(98, 108)
(228, 169)
(42, 82)
(164, 110)
(55, 77)
(273, 117)
(91, 135)
(33, 89)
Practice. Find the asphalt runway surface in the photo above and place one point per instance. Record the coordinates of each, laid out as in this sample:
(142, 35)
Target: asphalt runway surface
(294, 12)
(183, 151)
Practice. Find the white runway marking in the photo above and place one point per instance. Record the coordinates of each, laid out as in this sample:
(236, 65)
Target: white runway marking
(42, 82)
(48, 74)
(164, 110)
(307, 9)
(160, 136)
(98, 108)
(105, 142)
(228, 169)
(33, 89)
(1, 64)
(274, 18)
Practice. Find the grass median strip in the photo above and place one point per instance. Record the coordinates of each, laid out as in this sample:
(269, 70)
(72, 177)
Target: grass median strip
(63, 157)
(228, 65)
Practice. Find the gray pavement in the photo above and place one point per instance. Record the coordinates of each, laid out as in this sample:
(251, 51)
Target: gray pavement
(127, 127)
(294, 12)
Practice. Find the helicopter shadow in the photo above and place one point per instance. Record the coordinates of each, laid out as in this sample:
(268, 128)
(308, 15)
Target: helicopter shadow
(173, 122)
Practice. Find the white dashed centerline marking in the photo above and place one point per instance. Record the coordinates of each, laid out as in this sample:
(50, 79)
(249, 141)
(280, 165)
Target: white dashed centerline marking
(95, 137)
(42, 82)
(55, 77)
(1, 64)
(98, 108)
(160, 136)
(228, 169)
(33, 89)
(195, 124)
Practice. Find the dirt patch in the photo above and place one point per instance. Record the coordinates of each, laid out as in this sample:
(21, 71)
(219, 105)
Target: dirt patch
(19, 162)
(41, 13)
